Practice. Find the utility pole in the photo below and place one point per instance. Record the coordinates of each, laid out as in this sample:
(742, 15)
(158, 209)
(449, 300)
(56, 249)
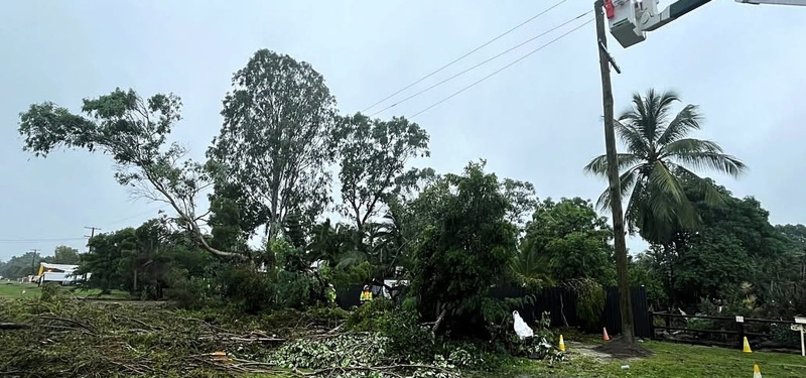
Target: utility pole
(91, 235)
(33, 261)
(605, 60)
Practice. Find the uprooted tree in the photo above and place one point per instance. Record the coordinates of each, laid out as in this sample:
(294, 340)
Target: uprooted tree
(132, 130)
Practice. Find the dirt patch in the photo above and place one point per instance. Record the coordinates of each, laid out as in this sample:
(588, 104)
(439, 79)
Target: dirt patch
(621, 349)
(587, 350)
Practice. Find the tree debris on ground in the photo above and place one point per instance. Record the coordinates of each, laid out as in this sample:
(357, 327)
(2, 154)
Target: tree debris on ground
(75, 338)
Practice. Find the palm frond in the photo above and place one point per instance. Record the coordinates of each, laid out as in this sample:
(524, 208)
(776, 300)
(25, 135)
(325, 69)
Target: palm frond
(626, 182)
(703, 186)
(661, 112)
(599, 164)
(665, 183)
(689, 145)
(716, 161)
(631, 213)
(632, 137)
(684, 122)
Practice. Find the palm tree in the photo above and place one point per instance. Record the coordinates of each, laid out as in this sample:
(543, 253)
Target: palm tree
(659, 164)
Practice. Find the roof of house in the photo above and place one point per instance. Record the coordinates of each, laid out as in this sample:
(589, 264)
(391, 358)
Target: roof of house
(62, 267)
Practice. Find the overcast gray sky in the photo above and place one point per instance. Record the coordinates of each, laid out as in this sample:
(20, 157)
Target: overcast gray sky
(538, 120)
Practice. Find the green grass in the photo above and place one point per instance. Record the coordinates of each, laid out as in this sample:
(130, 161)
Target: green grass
(18, 290)
(669, 360)
(28, 290)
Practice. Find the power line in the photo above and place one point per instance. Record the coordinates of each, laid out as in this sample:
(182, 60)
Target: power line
(501, 69)
(161, 208)
(481, 63)
(530, 19)
(37, 240)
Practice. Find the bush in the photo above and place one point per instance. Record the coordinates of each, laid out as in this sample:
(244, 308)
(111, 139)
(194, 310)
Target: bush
(464, 251)
(295, 290)
(247, 289)
(407, 338)
(50, 291)
(782, 334)
(590, 301)
(190, 293)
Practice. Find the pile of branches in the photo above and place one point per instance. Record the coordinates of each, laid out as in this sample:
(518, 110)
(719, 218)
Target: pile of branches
(75, 338)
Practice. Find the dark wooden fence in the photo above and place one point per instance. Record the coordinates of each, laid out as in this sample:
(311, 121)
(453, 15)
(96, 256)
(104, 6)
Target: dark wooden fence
(561, 305)
(725, 331)
(559, 302)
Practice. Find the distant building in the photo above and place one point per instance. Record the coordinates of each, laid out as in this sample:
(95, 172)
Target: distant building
(62, 273)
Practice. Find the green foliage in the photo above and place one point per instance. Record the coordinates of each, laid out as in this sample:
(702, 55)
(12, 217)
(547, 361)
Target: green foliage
(659, 157)
(373, 157)
(590, 301)
(50, 291)
(407, 337)
(464, 252)
(20, 266)
(231, 220)
(735, 243)
(711, 265)
(246, 289)
(275, 143)
(565, 240)
(352, 275)
(143, 261)
(65, 255)
(132, 130)
(296, 290)
(191, 292)
(643, 273)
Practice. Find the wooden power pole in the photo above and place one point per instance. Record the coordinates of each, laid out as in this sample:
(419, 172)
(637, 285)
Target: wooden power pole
(33, 261)
(91, 235)
(625, 303)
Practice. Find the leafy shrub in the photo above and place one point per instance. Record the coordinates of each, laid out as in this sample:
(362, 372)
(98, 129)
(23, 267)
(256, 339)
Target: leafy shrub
(190, 292)
(247, 289)
(295, 289)
(590, 300)
(407, 338)
(50, 291)
(463, 252)
(782, 334)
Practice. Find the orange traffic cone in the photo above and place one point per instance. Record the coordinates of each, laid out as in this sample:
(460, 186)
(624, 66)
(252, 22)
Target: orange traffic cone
(746, 346)
(562, 344)
(605, 336)
(756, 371)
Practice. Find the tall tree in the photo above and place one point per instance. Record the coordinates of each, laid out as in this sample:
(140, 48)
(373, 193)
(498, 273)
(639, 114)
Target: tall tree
(373, 157)
(465, 250)
(105, 259)
(20, 266)
(522, 200)
(567, 240)
(659, 156)
(734, 243)
(133, 131)
(275, 143)
(65, 255)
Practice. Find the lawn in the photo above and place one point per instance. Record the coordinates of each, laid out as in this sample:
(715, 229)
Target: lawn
(18, 290)
(669, 360)
(28, 290)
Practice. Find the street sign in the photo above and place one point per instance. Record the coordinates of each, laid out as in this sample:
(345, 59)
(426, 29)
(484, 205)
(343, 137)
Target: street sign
(796, 327)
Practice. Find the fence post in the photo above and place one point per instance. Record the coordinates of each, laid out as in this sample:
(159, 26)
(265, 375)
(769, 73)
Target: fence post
(668, 322)
(740, 321)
